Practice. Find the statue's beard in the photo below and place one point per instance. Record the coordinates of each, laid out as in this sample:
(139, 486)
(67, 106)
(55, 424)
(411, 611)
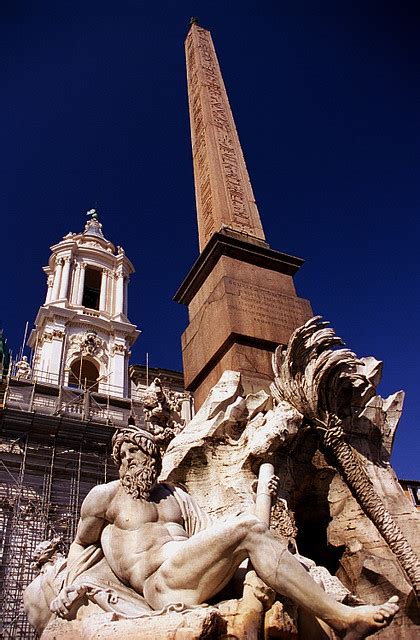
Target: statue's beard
(138, 480)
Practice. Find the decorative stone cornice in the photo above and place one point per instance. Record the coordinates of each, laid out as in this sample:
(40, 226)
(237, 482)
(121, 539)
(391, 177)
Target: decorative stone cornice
(240, 247)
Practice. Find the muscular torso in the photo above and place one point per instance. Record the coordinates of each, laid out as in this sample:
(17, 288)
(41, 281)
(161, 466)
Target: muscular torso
(138, 534)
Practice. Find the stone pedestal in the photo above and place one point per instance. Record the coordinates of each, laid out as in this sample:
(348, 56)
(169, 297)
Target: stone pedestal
(197, 624)
(240, 293)
(242, 303)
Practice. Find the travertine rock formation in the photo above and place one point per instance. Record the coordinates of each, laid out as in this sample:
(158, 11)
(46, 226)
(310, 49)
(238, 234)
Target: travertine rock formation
(330, 438)
(339, 508)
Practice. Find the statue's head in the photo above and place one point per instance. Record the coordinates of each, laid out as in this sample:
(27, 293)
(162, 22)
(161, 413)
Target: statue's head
(138, 458)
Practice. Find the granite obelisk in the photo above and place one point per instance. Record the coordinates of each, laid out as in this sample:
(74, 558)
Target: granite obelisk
(223, 189)
(240, 293)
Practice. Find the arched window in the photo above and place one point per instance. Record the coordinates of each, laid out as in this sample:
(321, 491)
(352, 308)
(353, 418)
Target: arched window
(92, 288)
(85, 374)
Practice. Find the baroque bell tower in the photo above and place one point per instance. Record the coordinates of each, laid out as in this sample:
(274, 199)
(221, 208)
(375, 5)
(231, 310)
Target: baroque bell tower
(82, 334)
(240, 293)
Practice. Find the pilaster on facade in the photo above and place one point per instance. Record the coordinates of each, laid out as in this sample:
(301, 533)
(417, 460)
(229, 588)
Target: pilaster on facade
(125, 309)
(104, 286)
(50, 282)
(57, 279)
(65, 275)
(80, 283)
(119, 292)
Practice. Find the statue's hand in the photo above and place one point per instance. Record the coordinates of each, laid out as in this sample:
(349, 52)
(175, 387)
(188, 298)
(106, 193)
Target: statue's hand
(272, 486)
(62, 604)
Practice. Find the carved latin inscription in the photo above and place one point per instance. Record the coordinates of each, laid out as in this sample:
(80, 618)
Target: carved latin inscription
(267, 308)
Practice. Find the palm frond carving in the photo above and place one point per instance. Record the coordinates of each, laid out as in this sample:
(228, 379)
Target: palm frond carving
(311, 375)
(319, 380)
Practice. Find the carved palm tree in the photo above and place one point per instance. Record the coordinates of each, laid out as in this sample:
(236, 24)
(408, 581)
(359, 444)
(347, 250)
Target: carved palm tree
(316, 379)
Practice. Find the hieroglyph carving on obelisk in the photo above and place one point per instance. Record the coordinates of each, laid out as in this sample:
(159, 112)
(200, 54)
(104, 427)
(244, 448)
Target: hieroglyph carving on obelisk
(222, 187)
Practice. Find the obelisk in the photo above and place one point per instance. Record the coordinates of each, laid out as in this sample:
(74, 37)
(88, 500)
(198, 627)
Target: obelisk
(223, 189)
(240, 293)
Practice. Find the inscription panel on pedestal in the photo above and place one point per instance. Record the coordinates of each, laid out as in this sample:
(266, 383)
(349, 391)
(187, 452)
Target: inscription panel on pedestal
(267, 309)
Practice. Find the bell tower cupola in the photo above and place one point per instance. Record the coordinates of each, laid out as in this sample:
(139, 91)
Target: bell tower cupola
(82, 334)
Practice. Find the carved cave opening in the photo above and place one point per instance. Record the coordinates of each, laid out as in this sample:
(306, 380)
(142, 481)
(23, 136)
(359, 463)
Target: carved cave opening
(84, 373)
(312, 519)
(92, 288)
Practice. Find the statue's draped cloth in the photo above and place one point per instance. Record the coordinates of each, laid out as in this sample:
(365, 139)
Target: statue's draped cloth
(92, 572)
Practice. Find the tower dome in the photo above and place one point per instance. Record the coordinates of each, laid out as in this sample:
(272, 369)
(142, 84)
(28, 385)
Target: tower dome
(82, 334)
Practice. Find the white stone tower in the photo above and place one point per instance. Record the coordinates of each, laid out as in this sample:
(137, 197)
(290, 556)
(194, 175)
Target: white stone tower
(82, 335)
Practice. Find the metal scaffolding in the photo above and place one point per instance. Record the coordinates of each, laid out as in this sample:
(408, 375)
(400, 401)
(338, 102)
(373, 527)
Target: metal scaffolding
(54, 446)
(81, 403)
(44, 478)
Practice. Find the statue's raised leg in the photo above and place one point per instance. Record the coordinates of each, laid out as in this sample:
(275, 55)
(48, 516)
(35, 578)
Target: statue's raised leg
(194, 570)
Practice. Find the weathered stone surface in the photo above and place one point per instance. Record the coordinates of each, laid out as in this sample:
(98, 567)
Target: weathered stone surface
(351, 492)
(244, 617)
(201, 623)
(218, 453)
(261, 306)
(210, 420)
(58, 629)
(281, 621)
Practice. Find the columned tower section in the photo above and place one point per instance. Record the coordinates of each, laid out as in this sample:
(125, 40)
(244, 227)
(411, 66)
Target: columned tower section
(82, 334)
(240, 293)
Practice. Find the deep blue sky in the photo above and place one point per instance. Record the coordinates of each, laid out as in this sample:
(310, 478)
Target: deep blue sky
(326, 99)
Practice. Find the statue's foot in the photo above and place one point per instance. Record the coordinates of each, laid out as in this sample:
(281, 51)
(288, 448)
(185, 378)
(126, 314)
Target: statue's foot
(370, 618)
